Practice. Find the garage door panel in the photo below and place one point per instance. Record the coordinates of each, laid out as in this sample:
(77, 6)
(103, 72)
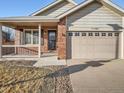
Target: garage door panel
(93, 45)
(75, 47)
(83, 48)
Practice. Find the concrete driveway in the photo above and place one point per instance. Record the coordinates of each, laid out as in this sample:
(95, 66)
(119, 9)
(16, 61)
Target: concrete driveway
(100, 76)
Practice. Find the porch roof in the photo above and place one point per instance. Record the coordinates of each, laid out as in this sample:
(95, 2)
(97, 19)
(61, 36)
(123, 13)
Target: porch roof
(28, 20)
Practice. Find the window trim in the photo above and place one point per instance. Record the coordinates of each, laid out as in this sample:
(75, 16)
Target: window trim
(110, 34)
(83, 34)
(70, 34)
(90, 34)
(116, 34)
(97, 34)
(104, 34)
(77, 34)
(24, 31)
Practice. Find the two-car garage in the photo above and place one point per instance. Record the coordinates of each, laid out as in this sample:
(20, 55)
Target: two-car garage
(92, 45)
(94, 31)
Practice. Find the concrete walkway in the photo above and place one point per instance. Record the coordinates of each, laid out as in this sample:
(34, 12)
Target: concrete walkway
(49, 61)
(105, 76)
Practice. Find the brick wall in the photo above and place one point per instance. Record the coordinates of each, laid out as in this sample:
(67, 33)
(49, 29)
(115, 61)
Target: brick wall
(32, 50)
(62, 39)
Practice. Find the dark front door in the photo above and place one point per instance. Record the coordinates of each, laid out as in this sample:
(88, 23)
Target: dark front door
(51, 39)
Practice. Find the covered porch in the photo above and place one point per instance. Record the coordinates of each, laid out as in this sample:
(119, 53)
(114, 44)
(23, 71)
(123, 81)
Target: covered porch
(35, 37)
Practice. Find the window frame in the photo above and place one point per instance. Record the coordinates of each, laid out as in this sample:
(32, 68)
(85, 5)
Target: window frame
(32, 30)
(77, 34)
(90, 34)
(70, 34)
(97, 34)
(110, 34)
(116, 34)
(83, 34)
(103, 34)
(33, 36)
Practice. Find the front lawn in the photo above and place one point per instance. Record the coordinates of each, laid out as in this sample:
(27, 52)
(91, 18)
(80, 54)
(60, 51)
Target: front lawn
(22, 79)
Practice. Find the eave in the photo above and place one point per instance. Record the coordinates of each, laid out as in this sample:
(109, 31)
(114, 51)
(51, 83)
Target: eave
(107, 3)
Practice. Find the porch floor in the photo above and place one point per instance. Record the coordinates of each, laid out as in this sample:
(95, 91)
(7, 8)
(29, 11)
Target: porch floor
(12, 55)
(47, 59)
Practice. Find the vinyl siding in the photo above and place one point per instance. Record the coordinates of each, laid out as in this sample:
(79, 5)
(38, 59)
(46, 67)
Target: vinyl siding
(58, 9)
(94, 17)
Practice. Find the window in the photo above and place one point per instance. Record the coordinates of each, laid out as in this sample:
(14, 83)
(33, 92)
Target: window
(116, 34)
(27, 37)
(32, 37)
(70, 34)
(90, 34)
(103, 34)
(35, 37)
(83, 34)
(77, 34)
(109, 34)
(96, 34)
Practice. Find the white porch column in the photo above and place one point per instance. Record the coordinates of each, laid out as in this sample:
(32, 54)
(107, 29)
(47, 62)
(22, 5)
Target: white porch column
(122, 45)
(39, 50)
(0, 40)
(122, 40)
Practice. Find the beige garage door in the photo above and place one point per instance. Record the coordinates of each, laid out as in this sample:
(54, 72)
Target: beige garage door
(92, 45)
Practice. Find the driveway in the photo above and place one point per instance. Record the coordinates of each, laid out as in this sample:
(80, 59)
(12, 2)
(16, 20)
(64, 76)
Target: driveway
(100, 76)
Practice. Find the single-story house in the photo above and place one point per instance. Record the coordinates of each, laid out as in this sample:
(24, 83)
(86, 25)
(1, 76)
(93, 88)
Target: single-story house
(90, 30)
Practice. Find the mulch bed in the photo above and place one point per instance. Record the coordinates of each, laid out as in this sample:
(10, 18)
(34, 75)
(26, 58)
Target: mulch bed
(19, 79)
(18, 63)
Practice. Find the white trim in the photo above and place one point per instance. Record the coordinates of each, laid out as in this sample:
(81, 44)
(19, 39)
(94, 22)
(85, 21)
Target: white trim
(52, 29)
(39, 51)
(122, 45)
(122, 40)
(113, 5)
(21, 45)
(75, 8)
(30, 29)
(0, 40)
(72, 1)
(51, 5)
(29, 19)
(31, 36)
(88, 2)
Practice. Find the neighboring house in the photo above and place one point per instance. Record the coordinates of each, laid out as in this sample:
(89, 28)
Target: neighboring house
(92, 29)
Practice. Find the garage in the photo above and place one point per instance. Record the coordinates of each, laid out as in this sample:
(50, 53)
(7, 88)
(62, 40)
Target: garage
(92, 45)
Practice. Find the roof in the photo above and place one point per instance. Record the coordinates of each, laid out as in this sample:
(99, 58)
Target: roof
(29, 19)
(51, 5)
(85, 3)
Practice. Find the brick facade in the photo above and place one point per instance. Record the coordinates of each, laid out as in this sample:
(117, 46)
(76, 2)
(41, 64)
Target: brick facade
(62, 39)
(32, 50)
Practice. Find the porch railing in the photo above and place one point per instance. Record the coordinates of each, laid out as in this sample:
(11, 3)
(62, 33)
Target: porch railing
(20, 50)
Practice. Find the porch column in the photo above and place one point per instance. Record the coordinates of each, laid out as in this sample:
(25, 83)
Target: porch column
(122, 40)
(39, 50)
(0, 40)
(122, 45)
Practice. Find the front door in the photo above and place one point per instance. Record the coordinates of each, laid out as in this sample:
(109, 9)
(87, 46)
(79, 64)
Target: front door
(52, 40)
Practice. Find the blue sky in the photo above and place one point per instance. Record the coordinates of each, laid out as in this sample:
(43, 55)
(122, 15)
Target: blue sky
(26, 7)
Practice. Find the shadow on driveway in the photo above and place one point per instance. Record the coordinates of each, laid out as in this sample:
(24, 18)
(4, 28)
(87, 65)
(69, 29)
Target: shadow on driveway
(80, 67)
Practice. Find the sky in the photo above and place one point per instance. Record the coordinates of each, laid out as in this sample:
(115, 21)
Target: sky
(10, 8)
